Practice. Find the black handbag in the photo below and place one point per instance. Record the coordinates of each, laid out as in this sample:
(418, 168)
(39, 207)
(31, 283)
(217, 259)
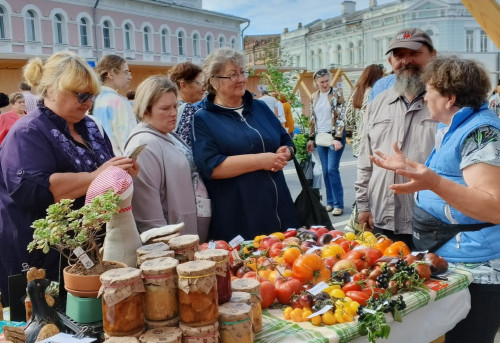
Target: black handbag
(308, 205)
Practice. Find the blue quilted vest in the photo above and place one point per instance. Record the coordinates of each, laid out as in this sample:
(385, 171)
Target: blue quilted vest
(470, 246)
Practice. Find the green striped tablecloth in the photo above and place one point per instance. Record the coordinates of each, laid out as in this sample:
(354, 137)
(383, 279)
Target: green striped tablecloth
(276, 329)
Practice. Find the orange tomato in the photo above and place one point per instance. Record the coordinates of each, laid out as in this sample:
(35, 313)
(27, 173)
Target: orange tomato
(382, 243)
(291, 254)
(397, 249)
(310, 268)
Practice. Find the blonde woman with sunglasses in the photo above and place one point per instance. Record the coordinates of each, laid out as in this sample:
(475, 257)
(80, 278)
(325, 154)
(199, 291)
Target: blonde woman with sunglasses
(52, 153)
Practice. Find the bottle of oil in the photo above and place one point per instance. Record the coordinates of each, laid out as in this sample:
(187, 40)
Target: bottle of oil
(1, 308)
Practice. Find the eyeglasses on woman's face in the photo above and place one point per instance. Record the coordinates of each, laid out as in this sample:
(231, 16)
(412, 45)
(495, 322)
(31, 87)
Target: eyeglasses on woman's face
(83, 97)
(235, 76)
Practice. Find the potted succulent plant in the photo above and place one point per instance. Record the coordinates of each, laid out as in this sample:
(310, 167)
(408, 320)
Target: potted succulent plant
(75, 233)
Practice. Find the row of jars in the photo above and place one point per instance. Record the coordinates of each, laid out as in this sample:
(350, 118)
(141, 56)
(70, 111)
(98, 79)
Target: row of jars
(170, 288)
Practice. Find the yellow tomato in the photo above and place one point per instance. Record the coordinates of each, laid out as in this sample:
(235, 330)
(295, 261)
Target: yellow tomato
(348, 317)
(337, 293)
(279, 235)
(339, 316)
(296, 315)
(287, 273)
(331, 288)
(328, 318)
(264, 272)
(287, 312)
(306, 313)
(334, 250)
(252, 263)
(350, 236)
(354, 307)
(273, 275)
(316, 320)
(291, 254)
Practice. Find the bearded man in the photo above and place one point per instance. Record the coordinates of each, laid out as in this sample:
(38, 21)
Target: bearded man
(398, 115)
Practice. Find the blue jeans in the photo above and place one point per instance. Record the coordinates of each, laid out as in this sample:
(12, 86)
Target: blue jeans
(330, 161)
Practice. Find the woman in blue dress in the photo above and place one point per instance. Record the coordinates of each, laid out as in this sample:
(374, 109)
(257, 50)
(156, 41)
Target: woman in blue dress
(240, 149)
(52, 153)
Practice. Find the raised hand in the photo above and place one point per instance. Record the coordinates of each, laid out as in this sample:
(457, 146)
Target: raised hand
(421, 178)
(390, 162)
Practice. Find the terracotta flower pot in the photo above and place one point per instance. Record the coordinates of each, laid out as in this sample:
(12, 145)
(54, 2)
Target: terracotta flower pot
(84, 286)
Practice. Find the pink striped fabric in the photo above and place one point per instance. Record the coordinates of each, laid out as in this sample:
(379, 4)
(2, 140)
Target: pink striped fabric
(111, 178)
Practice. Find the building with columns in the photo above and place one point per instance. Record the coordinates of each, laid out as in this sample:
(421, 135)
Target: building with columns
(148, 33)
(358, 38)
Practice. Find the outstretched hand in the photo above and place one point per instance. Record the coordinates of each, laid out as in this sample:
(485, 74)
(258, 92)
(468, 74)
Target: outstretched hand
(421, 178)
(390, 162)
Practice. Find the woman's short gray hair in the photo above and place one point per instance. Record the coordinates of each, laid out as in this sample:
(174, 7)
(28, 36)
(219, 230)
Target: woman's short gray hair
(466, 79)
(149, 92)
(215, 62)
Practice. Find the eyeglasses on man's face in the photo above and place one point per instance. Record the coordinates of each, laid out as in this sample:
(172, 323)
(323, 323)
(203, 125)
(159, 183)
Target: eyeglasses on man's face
(235, 76)
(83, 97)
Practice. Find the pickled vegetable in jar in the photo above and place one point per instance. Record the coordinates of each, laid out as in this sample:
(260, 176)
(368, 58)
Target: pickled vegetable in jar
(162, 335)
(197, 293)
(200, 334)
(122, 293)
(235, 323)
(184, 247)
(160, 283)
(149, 248)
(153, 255)
(222, 271)
(252, 287)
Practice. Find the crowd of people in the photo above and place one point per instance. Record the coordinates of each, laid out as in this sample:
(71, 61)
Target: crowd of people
(426, 138)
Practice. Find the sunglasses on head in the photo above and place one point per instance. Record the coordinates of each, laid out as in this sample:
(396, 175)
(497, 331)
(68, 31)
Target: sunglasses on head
(320, 73)
(83, 97)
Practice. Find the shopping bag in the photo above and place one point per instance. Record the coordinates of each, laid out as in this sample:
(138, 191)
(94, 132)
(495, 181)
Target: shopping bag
(308, 168)
(308, 203)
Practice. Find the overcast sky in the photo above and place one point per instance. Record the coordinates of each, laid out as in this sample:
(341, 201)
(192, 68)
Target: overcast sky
(272, 16)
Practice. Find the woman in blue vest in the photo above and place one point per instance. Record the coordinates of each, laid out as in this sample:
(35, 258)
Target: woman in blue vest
(457, 213)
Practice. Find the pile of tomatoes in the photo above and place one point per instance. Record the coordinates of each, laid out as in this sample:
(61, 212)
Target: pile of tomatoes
(324, 276)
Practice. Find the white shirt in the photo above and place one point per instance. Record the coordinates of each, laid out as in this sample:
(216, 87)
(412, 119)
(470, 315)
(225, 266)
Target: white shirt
(323, 112)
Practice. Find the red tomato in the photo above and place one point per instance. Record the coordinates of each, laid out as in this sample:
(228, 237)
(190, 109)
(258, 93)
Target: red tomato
(351, 286)
(275, 249)
(290, 233)
(320, 231)
(359, 296)
(330, 262)
(363, 258)
(285, 288)
(358, 276)
(218, 245)
(374, 292)
(348, 245)
(267, 242)
(268, 293)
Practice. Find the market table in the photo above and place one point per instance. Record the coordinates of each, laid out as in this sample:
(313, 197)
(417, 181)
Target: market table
(428, 315)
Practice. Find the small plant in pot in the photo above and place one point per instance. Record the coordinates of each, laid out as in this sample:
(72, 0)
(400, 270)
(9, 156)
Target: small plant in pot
(75, 233)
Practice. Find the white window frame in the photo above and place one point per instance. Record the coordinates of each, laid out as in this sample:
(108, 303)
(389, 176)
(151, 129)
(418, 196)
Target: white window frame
(196, 44)
(165, 40)
(209, 43)
(181, 43)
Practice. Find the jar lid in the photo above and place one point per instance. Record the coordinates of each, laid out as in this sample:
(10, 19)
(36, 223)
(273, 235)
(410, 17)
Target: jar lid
(199, 331)
(241, 297)
(155, 254)
(233, 312)
(148, 248)
(164, 239)
(120, 275)
(154, 324)
(196, 268)
(158, 266)
(166, 335)
(246, 285)
(121, 340)
(184, 241)
(215, 255)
